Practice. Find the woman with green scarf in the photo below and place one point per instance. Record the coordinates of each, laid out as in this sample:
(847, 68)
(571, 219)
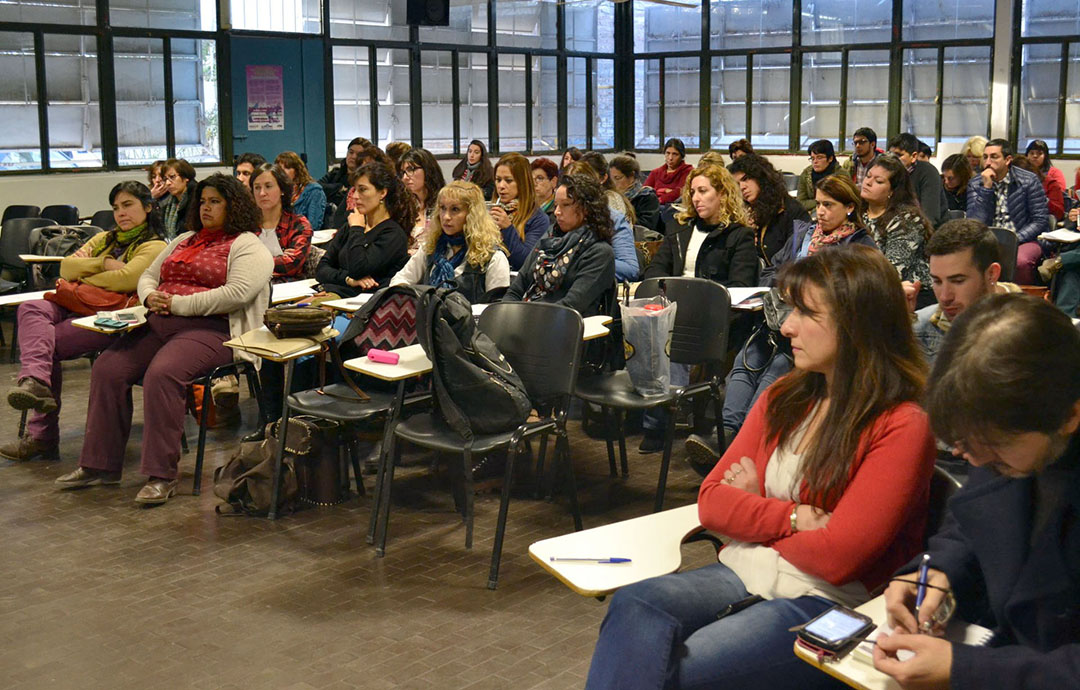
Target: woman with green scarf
(111, 261)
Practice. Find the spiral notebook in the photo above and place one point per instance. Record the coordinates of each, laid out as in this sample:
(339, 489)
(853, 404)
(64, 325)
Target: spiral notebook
(857, 668)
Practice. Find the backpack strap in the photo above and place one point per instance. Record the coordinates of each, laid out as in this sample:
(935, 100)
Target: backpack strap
(331, 346)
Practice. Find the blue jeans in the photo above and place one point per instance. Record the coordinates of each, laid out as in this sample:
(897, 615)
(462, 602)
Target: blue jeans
(655, 418)
(757, 365)
(663, 633)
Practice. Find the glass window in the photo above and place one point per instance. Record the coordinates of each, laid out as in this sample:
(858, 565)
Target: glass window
(820, 97)
(868, 94)
(437, 85)
(139, 66)
(195, 109)
(575, 102)
(938, 20)
(1039, 84)
(19, 138)
(512, 75)
(682, 100)
(1072, 102)
(473, 92)
(163, 14)
(1050, 18)
(352, 96)
(661, 28)
(72, 91)
(771, 111)
(965, 108)
(737, 24)
(526, 24)
(646, 104)
(918, 94)
(545, 129)
(50, 12)
(392, 91)
(303, 16)
(604, 105)
(728, 99)
(590, 27)
(834, 22)
(468, 24)
(370, 19)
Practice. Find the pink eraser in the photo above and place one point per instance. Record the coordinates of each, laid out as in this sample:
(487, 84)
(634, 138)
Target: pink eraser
(376, 355)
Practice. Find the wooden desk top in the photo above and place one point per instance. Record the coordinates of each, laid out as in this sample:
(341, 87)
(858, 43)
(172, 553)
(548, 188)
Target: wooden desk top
(412, 362)
(87, 322)
(347, 304)
(20, 297)
(284, 292)
(40, 258)
(251, 342)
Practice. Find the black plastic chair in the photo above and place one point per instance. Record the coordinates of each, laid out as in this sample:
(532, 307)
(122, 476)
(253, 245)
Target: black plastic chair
(104, 220)
(955, 214)
(791, 181)
(19, 211)
(542, 342)
(1007, 241)
(699, 337)
(232, 369)
(62, 214)
(15, 240)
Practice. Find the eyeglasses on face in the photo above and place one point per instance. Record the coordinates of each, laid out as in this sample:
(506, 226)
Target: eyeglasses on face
(172, 177)
(408, 172)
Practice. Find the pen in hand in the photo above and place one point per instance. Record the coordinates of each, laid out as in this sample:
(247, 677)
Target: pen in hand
(920, 593)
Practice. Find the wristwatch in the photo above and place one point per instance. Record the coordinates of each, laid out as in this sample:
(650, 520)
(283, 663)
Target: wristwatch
(795, 519)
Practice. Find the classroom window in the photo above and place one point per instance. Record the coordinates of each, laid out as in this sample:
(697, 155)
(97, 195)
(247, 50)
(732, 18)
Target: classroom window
(682, 100)
(1050, 18)
(867, 94)
(590, 27)
(392, 96)
(473, 95)
(468, 24)
(729, 100)
(821, 77)
(770, 112)
(73, 101)
(437, 68)
(604, 105)
(369, 20)
(20, 144)
(545, 112)
(526, 24)
(576, 112)
(294, 16)
(139, 66)
(837, 22)
(662, 28)
(166, 14)
(512, 77)
(746, 24)
(646, 104)
(77, 12)
(942, 20)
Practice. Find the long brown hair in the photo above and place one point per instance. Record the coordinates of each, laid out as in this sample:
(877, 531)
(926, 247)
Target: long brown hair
(301, 177)
(526, 189)
(878, 362)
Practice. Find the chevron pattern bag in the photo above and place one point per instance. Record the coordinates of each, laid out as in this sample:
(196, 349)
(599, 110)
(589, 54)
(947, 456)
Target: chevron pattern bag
(386, 322)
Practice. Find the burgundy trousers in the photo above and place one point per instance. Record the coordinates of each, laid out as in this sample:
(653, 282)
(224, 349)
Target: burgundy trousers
(167, 354)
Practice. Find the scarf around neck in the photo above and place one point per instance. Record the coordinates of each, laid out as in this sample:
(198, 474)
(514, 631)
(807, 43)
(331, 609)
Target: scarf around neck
(553, 258)
(124, 241)
(819, 239)
(196, 244)
(172, 212)
(442, 268)
(816, 177)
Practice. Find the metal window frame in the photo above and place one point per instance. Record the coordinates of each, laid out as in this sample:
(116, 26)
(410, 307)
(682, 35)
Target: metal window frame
(1020, 42)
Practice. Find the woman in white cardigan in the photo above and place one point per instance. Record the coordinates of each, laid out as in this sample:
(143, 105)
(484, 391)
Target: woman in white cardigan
(208, 285)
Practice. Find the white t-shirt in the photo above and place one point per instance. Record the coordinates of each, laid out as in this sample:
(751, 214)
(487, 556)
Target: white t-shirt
(697, 237)
(270, 240)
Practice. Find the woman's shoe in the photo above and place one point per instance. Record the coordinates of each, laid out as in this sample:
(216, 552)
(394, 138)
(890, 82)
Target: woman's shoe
(27, 448)
(86, 476)
(255, 436)
(156, 491)
(31, 394)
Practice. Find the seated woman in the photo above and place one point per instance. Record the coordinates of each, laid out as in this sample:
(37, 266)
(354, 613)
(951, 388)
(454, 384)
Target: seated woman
(823, 494)
(622, 242)
(574, 266)
(822, 164)
(286, 235)
(476, 167)
(545, 176)
(569, 156)
(369, 154)
(897, 223)
(955, 175)
(669, 179)
(973, 150)
(1052, 178)
(308, 199)
(208, 285)
(772, 211)
(516, 212)
(423, 177)
(365, 255)
(625, 175)
(155, 178)
(180, 183)
(111, 261)
(463, 247)
(335, 182)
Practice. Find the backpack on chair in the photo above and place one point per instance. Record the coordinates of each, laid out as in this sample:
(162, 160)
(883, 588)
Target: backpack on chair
(56, 240)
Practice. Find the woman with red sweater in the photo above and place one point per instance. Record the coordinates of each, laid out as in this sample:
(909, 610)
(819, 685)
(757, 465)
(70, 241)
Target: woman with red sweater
(823, 494)
(669, 179)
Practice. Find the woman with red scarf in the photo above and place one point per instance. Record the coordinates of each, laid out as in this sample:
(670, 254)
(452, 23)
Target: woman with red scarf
(210, 284)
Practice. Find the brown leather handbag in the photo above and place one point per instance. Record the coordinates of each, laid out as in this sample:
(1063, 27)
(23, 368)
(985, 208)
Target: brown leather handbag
(291, 321)
(85, 300)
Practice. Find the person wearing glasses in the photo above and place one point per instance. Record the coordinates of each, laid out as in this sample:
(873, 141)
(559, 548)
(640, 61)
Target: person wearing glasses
(866, 152)
(423, 177)
(179, 177)
(822, 164)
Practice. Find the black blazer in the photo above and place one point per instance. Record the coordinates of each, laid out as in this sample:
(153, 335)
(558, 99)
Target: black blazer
(589, 276)
(779, 229)
(926, 180)
(353, 253)
(727, 256)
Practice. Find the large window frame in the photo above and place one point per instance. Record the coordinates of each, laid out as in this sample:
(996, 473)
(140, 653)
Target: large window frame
(1066, 43)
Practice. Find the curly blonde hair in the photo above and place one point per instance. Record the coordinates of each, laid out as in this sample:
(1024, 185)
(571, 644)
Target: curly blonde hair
(732, 208)
(482, 237)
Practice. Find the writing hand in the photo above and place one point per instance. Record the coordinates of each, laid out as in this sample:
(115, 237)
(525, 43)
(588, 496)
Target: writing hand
(900, 600)
(929, 669)
(743, 475)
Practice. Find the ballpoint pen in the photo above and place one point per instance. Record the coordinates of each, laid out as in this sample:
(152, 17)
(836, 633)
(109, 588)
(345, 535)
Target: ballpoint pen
(611, 559)
(920, 593)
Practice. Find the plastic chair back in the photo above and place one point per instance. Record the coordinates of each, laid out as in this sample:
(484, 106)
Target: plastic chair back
(15, 239)
(1007, 242)
(63, 214)
(791, 181)
(701, 321)
(541, 341)
(20, 212)
(104, 220)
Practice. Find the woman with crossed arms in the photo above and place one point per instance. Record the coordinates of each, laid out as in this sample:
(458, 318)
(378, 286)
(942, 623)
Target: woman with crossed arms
(823, 493)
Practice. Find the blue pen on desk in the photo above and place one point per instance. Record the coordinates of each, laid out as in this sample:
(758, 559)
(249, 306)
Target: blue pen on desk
(924, 572)
(612, 559)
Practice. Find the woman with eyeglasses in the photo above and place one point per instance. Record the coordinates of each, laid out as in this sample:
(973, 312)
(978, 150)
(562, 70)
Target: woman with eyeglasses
(179, 179)
(423, 178)
(822, 164)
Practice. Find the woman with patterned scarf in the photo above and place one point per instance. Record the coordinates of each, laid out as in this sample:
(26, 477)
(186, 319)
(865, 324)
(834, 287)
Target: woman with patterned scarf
(575, 265)
(179, 178)
(110, 261)
(463, 248)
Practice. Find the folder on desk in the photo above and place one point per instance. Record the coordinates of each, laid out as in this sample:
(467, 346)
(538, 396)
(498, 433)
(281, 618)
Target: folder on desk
(261, 341)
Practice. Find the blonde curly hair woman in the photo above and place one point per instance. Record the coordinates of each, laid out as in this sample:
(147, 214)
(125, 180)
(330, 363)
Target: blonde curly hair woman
(464, 247)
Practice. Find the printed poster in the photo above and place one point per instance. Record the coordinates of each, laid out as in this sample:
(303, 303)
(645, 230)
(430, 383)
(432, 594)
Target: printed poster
(265, 98)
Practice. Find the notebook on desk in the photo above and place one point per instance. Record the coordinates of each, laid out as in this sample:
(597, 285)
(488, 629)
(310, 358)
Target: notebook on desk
(857, 668)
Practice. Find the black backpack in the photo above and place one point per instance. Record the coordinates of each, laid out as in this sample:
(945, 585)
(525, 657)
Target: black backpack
(56, 240)
(476, 389)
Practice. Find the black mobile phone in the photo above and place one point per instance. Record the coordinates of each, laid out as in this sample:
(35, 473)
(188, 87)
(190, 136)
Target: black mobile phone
(837, 629)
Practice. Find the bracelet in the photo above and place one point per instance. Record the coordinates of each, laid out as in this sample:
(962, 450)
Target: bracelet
(795, 519)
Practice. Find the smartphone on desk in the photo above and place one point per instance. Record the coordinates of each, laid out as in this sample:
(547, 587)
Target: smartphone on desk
(104, 322)
(837, 630)
(126, 317)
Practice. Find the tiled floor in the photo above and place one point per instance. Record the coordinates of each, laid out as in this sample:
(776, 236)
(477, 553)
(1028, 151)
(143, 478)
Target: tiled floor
(98, 593)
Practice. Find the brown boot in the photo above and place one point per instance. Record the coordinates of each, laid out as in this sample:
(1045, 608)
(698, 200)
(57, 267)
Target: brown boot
(31, 394)
(27, 448)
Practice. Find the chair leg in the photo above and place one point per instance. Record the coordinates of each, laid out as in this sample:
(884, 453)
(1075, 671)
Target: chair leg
(183, 443)
(571, 482)
(255, 387)
(610, 427)
(354, 459)
(201, 448)
(15, 340)
(540, 466)
(669, 435)
(22, 423)
(622, 444)
(392, 459)
(275, 488)
(504, 507)
(384, 454)
(470, 494)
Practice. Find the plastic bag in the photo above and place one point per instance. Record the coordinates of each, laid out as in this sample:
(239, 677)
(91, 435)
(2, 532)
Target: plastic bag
(647, 326)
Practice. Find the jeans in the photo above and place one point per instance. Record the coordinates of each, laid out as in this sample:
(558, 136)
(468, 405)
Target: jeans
(664, 633)
(1028, 256)
(655, 418)
(757, 365)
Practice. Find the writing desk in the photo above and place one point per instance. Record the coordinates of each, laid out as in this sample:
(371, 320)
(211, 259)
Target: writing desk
(348, 304)
(747, 299)
(40, 259)
(595, 326)
(652, 543)
(323, 236)
(18, 298)
(286, 292)
(87, 322)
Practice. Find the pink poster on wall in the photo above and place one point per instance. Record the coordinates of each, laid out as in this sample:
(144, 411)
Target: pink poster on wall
(265, 98)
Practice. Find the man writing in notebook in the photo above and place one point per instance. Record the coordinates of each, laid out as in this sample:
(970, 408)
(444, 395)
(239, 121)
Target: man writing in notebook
(1005, 393)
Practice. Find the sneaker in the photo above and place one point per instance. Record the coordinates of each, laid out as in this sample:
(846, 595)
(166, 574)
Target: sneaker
(1048, 268)
(700, 454)
(225, 391)
(31, 394)
(652, 442)
(86, 476)
(27, 448)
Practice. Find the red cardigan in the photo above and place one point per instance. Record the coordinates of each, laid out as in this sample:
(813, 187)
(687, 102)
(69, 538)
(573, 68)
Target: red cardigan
(1054, 186)
(876, 526)
(668, 184)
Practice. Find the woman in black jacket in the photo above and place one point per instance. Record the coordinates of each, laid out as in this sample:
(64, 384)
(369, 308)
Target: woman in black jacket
(365, 255)
(625, 173)
(772, 211)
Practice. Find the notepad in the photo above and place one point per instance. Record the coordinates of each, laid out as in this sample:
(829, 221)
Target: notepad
(261, 341)
(1062, 235)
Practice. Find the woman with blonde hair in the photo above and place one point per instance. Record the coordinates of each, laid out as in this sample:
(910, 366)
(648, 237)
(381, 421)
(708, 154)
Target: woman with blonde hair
(463, 247)
(516, 210)
(973, 151)
(308, 197)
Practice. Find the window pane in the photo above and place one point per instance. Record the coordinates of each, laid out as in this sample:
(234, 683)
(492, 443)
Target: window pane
(771, 110)
(919, 94)
(820, 98)
(728, 99)
(373, 19)
(473, 92)
(1072, 102)
(304, 16)
(545, 104)
(604, 105)
(932, 20)
(512, 77)
(1050, 18)
(575, 102)
(164, 14)
(646, 108)
(72, 90)
(1039, 82)
(19, 140)
(49, 12)
(590, 27)
(868, 94)
(664, 27)
(352, 97)
(438, 91)
(526, 24)
(468, 25)
(195, 109)
(140, 99)
(392, 89)
(831, 22)
(965, 110)
(750, 24)
(682, 100)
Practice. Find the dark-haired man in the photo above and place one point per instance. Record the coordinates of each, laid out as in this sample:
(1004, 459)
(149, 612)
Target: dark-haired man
(924, 178)
(866, 152)
(245, 165)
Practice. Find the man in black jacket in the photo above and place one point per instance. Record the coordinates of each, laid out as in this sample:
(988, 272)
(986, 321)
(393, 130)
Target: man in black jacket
(924, 178)
(1005, 392)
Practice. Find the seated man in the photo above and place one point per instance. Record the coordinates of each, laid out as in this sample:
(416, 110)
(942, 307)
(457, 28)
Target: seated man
(964, 267)
(924, 178)
(1005, 392)
(1005, 197)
